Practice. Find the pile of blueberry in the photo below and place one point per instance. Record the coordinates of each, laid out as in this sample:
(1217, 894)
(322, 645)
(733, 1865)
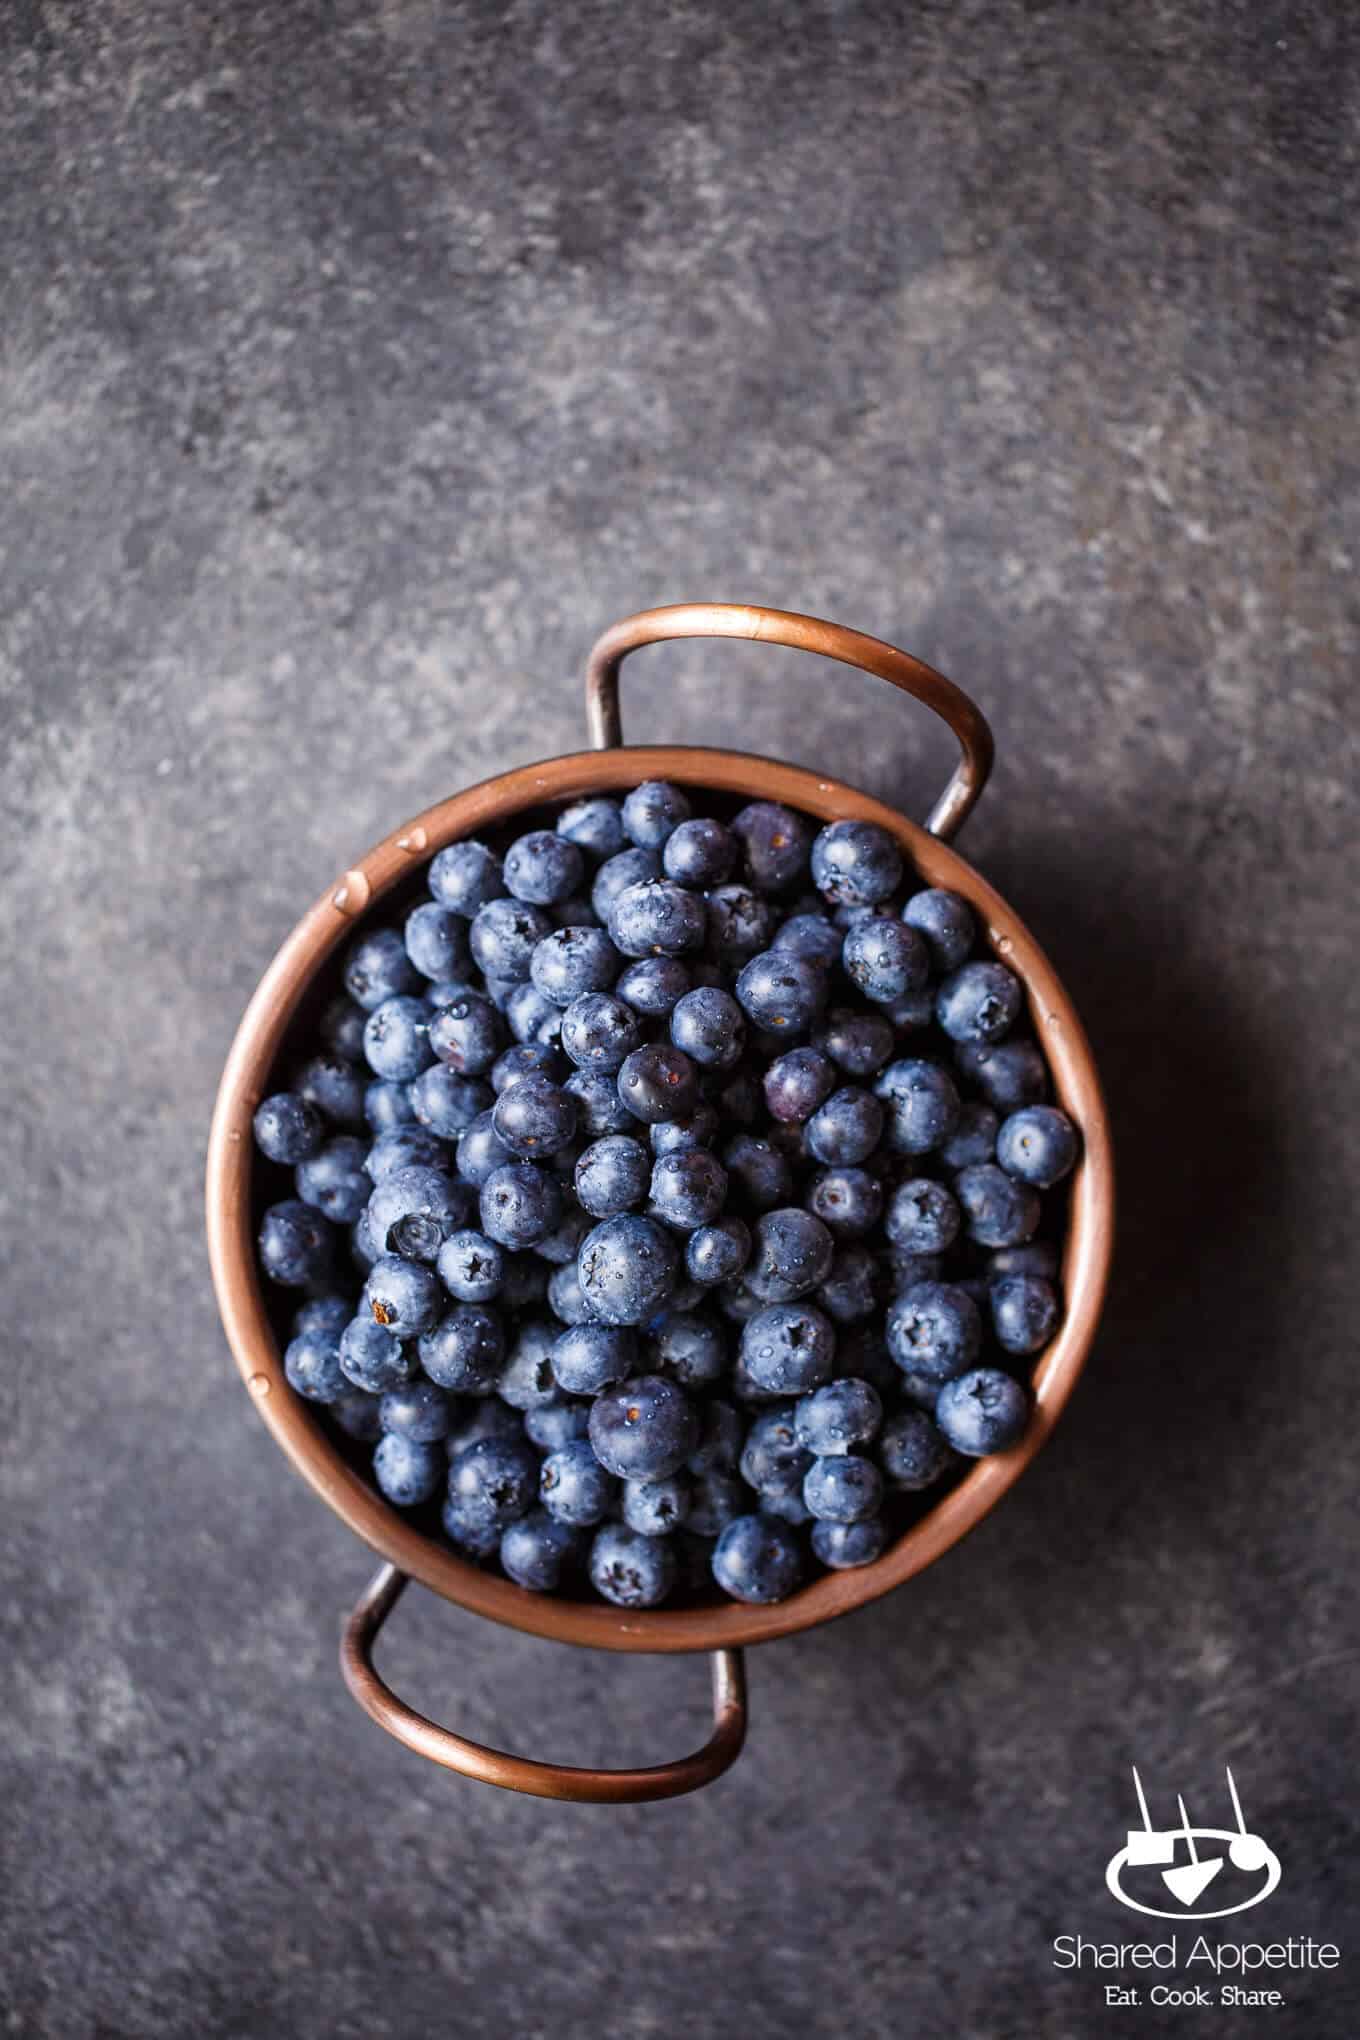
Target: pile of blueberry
(664, 1187)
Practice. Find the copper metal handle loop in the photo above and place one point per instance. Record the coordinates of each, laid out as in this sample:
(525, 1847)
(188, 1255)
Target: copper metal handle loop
(523, 1774)
(806, 634)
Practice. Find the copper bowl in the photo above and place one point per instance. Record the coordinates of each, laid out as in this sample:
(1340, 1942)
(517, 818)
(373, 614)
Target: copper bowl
(233, 1201)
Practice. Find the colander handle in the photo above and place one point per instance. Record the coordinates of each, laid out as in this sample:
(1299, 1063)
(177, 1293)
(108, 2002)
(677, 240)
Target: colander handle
(804, 634)
(524, 1774)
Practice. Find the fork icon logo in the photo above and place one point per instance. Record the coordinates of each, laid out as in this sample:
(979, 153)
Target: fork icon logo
(1173, 1862)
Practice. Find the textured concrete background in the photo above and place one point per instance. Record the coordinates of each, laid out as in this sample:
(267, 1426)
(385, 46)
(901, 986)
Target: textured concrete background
(359, 362)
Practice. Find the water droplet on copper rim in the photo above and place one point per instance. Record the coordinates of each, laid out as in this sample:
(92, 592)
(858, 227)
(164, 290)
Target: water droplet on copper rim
(352, 893)
(1053, 1020)
(1004, 945)
(260, 1386)
(413, 842)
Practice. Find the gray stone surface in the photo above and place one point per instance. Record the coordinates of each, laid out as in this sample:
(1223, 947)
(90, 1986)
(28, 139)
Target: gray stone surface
(359, 362)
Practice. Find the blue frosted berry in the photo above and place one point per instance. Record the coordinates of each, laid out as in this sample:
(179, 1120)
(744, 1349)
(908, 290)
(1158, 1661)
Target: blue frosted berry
(1009, 1074)
(781, 992)
(652, 811)
(612, 1175)
(856, 863)
(885, 959)
(1038, 1145)
(921, 1104)
(594, 825)
(572, 961)
(627, 1267)
(629, 1570)
(922, 1217)
(437, 941)
(534, 1117)
(404, 1297)
(468, 1034)
(535, 1551)
(843, 1546)
(419, 1410)
(311, 1361)
(335, 1179)
(296, 1244)
(643, 1429)
(494, 1481)
(739, 924)
(757, 1559)
(984, 1411)
(858, 1043)
(757, 1173)
(848, 1201)
(377, 968)
(851, 1289)
(945, 921)
(715, 1253)
(658, 1082)
(811, 936)
(912, 1451)
(933, 1330)
(844, 1489)
(288, 1129)
(653, 984)
(699, 853)
(788, 1348)
(543, 868)
(465, 1351)
(709, 1026)
(406, 1147)
(979, 1002)
(689, 1347)
(372, 1358)
(520, 1204)
(791, 1253)
(447, 1103)
(616, 874)
(335, 1087)
(974, 1137)
(776, 842)
(656, 1507)
(1025, 1313)
(688, 1189)
(386, 1106)
(796, 1083)
(838, 1418)
(396, 1039)
(504, 936)
(846, 1129)
(600, 1110)
(997, 1211)
(589, 1356)
(599, 1031)
(657, 918)
(407, 1471)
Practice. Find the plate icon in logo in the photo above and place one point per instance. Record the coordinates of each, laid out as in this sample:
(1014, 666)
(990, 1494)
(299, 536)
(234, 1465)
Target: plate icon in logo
(1187, 1861)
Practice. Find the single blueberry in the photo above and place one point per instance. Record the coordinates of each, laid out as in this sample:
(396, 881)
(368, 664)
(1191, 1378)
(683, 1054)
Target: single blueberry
(311, 1362)
(571, 961)
(772, 1460)
(527, 1059)
(562, 1245)
(480, 1150)
(437, 941)
(600, 1109)
(396, 1039)
(535, 1550)
(288, 1129)
(674, 1136)
(590, 1356)
(387, 1106)
(1009, 1074)
(856, 863)
(859, 1043)
(471, 1266)
(322, 1314)
(466, 877)
(335, 1179)
(708, 1025)
(658, 1082)
(844, 1489)
(699, 853)
(921, 1102)
(849, 1201)
(757, 1559)
(643, 1429)
(419, 1410)
(527, 1380)
(973, 1138)
(738, 924)
(922, 1217)
(612, 1175)
(985, 1411)
(566, 1298)
(653, 984)
(656, 918)
(887, 960)
(406, 1147)
(837, 1418)
(652, 811)
(534, 1117)
(403, 1297)
(532, 1018)
(912, 1452)
(470, 1530)
(494, 1481)
(468, 1034)
(627, 1267)
(791, 1253)
(715, 1253)
(656, 1507)
(998, 1211)
(788, 1348)
(945, 922)
(978, 1002)
(845, 1545)
(465, 1350)
(416, 1192)
(631, 1571)
(1025, 1313)
(543, 868)
(933, 1330)
(594, 825)
(504, 936)
(757, 1173)
(519, 1204)
(688, 1189)
(616, 874)
(1039, 1145)
(372, 1358)
(781, 992)
(811, 936)
(776, 841)
(847, 1128)
(377, 968)
(574, 1487)
(599, 1031)
(296, 1244)
(550, 1426)
(796, 1083)
(689, 1347)
(407, 1471)
(445, 1102)
(335, 1087)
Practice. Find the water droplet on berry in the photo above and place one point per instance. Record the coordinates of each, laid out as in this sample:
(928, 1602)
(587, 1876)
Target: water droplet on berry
(259, 1386)
(352, 893)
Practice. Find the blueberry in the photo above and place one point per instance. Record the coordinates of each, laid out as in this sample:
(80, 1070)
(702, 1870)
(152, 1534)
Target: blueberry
(781, 992)
(466, 877)
(527, 1380)
(571, 961)
(288, 1129)
(811, 936)
(534, 1551)
(406, 1147)
(532, 1018)
(922, 1217)
(772, 1460)
(851, 1290)
(847, 1128)
(436, 941)
(362, 1251)
(708, 1025)
(945, 921)
(858, 1043)
(468, 1034)
(998, 1211)
(922, 1105)
(519, 1204)
(837, 1418)
(658, 1082)
(1025, 1312)
(335, 1087)
(543, 868)
(675, 1136)
(311, 1362)
(487, 1417)
(590, 1356)
(465, 1350)
(652, 811)
(468, 1529)
(372, 1358)
(396, 1043)
(689, 1348)
(933, 1330)
(550, 1426)
(335, 1180)
(716, 1498)
(776, 841)
(796, 1083)
(494, 1481)
(845, 1545)
(407, 1471)
(791, 1253)
(856, 863)
(757, 1559)
(886, 959)
(912, 1452)
(574, 1487)
(566, 1299)
(715, 1253)
(377, 968)
(562, 1245)
(402, 1296)
(985, 1411)
(631, 1571)
(656, 918)
(322, 1314)
(445, 1102)
(534, 1117)
(627, 1267)
(630, 867)
(1035, 1257)
(600, 1110)
(699, 853)
(1039, 1145)
(296, 1244)
(788, 1348)
(386, 1106)
(688, 1189)
(356, 1412)
(594, 825)
(1009, 1074)
(643, 1429)
(504, 936)
(527, 1059)
(415, 1192)
(599, 1031)
(849, 1201)
(419, 1411)
(342, 1028)
(757, 1172)
(844, 1489)
(471, 1267)
(739, 924)
(973, 1138)
(612, 1175)
(480, 1150)
(656, 1507)
(978, 1002)
(653, 984)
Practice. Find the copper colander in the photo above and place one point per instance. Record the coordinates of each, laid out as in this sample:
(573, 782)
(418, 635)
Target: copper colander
(274, 1029)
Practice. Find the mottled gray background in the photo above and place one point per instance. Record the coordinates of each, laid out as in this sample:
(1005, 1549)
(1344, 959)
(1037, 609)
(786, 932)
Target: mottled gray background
(360, 361)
